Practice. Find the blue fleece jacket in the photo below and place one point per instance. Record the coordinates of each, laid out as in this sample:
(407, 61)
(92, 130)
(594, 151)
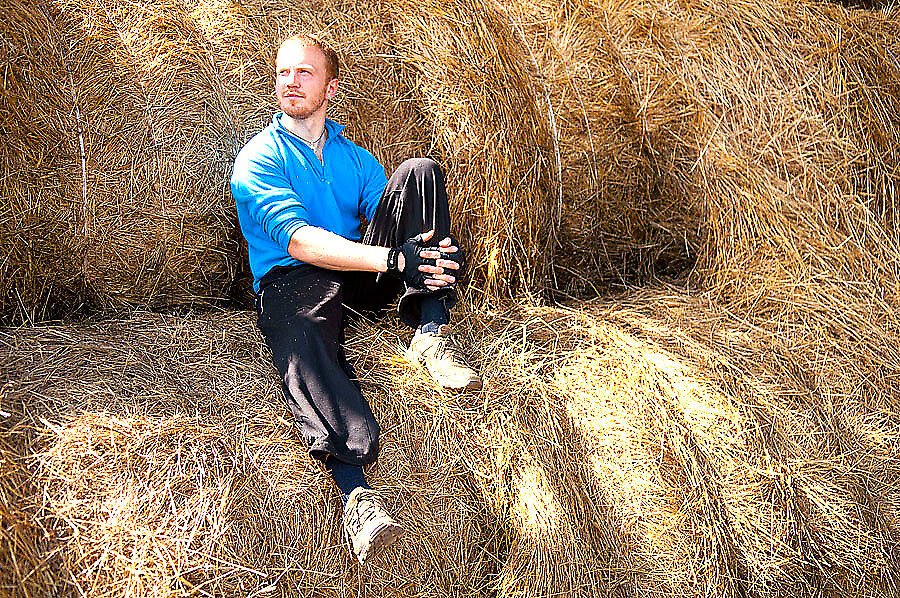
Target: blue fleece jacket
(279, 185)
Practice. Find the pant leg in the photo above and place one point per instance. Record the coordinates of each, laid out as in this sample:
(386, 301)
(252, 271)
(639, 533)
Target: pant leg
(299, 313)
(414, 201)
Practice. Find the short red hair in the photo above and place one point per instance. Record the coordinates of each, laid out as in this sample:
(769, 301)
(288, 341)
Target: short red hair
(308, 39)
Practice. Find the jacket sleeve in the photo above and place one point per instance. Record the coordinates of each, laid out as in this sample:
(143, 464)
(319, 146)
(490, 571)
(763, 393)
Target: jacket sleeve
(373, 184)
(260, 183)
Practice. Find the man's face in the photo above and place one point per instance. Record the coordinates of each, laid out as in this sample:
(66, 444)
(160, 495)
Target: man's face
(302, 82)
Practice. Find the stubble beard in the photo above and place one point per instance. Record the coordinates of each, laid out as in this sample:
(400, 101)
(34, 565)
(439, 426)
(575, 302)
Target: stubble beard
(299, 112)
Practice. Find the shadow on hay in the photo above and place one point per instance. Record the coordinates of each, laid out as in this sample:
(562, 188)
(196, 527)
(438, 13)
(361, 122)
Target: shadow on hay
(760, 503)
(825, 467)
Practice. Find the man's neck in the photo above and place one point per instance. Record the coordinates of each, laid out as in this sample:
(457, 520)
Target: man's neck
(311, 130)
(308, 129)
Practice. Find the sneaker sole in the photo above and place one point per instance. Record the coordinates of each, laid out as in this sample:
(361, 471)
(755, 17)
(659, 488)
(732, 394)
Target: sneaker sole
(443, 383)
(383, 538)
(470, 385)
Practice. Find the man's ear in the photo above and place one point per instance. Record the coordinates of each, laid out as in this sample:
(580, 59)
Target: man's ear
(331, 89)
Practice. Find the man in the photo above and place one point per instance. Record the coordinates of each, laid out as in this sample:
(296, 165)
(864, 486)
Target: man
(300, 188)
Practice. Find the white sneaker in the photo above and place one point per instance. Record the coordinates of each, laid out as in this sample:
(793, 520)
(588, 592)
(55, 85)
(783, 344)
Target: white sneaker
(368, 528)
(443, 359)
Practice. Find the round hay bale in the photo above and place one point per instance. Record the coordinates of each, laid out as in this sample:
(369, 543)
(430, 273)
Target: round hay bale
(125, 110)
(471, 71)
(730, 141)
(620, 113)
(183, 475)
(143, 106)
(655, 441)
(38, 261)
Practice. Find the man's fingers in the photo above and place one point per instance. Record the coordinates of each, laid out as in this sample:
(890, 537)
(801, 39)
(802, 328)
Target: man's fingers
(427, 236)
(438, 265)
(447, 278)
(438, 274)
(434, 283)
(433, 254)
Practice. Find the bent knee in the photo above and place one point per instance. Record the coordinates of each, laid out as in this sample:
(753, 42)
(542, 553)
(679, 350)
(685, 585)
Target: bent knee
(420, 165)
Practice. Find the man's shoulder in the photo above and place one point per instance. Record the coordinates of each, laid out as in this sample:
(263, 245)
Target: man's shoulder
(361, 155)
(264, 143)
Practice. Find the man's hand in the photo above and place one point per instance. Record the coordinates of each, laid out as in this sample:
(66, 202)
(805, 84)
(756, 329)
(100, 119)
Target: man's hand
(444, 258)
(447, 266)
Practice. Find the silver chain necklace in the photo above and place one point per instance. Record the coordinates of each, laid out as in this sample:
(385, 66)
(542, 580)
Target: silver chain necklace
(313, 144)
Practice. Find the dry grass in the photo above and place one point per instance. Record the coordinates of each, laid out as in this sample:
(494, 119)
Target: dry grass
(115, 160)
(653, 446)
(160, 464)
(733, 434)
(586, 142)
(735, 140)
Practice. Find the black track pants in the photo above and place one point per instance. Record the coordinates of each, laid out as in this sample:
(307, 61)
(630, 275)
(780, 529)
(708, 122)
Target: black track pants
(302, 312)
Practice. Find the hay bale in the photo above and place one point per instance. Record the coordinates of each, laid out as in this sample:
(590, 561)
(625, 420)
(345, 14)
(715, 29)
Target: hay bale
(137, 139)
(732, 141)
(651, 446)
(37, 263)
(118, 144)
(183, 476)
(471, 71)
(619, 112)
(724, 140)
(680, 460)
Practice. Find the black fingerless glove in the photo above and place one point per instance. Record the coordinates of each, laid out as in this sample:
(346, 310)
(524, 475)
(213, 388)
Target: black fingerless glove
(410, 250)
(411, 274)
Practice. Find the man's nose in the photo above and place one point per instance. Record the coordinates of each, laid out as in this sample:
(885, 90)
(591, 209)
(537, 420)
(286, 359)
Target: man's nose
(295, 78)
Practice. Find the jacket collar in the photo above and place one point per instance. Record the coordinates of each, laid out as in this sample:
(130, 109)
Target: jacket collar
(334, 128)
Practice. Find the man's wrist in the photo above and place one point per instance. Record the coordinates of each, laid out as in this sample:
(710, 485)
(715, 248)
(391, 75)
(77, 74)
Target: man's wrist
(394, 261)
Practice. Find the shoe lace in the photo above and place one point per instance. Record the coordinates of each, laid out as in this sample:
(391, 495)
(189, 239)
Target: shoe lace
(446, 348)
(367, 507)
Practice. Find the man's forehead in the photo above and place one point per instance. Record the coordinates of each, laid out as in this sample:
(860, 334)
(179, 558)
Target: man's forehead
(298, 52)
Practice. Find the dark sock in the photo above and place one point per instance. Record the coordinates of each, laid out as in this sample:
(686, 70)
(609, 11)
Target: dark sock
(434, 313)
(347, 477)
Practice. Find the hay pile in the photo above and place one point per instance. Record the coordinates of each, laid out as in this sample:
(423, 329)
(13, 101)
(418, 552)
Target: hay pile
(733, 432)
(650, 446)
(161, 464)
(733, 141)
(113, 191)
(736, 141)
